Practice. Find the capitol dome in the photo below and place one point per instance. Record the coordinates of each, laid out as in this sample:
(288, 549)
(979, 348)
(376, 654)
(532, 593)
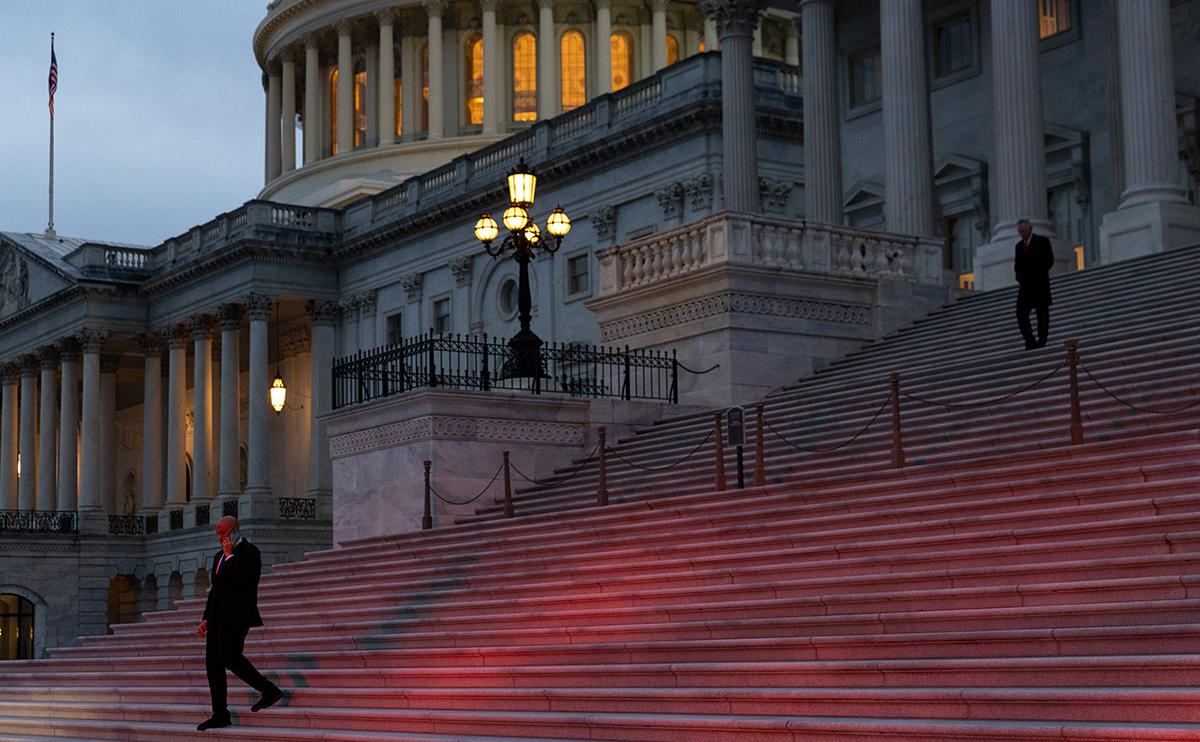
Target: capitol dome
(332, 137)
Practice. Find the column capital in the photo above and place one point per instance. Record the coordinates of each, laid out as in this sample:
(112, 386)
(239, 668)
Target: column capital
(343, 27)
(48, 357)
(366, 300)
(734, 17)
(10, 373)
(109, 363)
(550, 4)
(230, 316)
(202, 326)
(658, 6)
(259, 306)
(436, 8)
(150, 343)
(603, 4)
(322, 311)
(386, 17)
(177, 336)
(285, 55)
(312, 41)
(29, 364)
(90, 341)
(68, 349)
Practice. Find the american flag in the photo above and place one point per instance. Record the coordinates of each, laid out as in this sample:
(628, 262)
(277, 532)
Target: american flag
(53, 77)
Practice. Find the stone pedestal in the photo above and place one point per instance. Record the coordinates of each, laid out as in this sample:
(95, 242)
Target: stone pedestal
(1148, 228)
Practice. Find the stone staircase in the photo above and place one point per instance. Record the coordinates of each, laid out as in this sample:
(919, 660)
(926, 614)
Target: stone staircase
(1002, 586)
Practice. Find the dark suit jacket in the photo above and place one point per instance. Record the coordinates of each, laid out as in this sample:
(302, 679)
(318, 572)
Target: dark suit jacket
(1033, 269)
(233, 591)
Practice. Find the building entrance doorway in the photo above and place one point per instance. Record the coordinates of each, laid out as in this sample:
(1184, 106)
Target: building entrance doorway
(16, 628)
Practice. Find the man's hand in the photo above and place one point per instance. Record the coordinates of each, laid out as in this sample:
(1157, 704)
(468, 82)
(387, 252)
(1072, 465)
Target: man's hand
(203, 629)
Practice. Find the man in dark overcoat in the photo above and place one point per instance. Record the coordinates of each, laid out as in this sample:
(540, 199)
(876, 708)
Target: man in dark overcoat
(1032, 261)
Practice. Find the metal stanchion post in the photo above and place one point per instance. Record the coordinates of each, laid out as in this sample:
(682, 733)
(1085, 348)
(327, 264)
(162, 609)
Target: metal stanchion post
(719, 449)
(602, 487)
(760, 466)
(427, 518)
(508, 502)
(1072, 347)
(897, 438)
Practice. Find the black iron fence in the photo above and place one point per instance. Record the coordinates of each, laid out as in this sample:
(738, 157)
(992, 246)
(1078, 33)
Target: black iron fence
(39, 521)
(479, 362)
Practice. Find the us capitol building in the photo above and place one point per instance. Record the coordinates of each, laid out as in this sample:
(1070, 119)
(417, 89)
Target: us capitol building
(760, 186)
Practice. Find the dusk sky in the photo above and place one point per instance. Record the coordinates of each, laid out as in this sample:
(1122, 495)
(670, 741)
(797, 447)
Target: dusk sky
(159, 108)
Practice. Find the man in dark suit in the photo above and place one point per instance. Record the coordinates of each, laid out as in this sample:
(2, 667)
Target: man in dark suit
(231, 611)
(1032, 262)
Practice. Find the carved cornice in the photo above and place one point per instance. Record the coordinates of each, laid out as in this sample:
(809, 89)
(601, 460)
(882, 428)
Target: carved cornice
(459, 428)
(734, 303)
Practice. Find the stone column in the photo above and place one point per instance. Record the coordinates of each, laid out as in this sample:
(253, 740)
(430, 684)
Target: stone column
(108, 433)
(230, 485)
(547, 45)
(274, 106)
(1154, 214)
(287, 140)
(658, 30)
(176, 478)
(736, 20)
(259, 309)
(9, 440)
(603, 45)
(90, 487)
(711, 42)
(345, 89)
(68, 426)
(791, 48)
(1018, 166)
(907, 139)
(491, 69)
(202, 328)
(47, 493)
(323, 315)
(822, 122)
(387, 78)
(366, 323)
(27, 487)
(436, 101)
(312, 99)
(153, 496)
(350, 336)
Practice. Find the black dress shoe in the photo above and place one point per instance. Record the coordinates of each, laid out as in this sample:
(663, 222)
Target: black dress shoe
(1041, 343)
(214, 722)
(268, 699)
(1030, 345)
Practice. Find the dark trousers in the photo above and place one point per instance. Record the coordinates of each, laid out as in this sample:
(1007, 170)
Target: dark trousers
(1024, 305)
(223, 650)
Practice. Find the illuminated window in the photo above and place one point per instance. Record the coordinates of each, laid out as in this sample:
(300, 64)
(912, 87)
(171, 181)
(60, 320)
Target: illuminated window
(622, 60)
(474, 82)
(398, 94)
(524, 77)
(360, 104)
(333, 82)
(574, 71)
(425, 86)
(865, 79)
(966, 280)
(703, 46)
(672, 50)
(1054, 17)
(16, 628)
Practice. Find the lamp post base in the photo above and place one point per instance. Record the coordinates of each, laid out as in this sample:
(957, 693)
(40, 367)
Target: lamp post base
(526, 358)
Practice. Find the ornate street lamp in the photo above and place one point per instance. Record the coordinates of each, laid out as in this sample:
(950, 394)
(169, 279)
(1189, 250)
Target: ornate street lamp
(277, 392)
(524, 238)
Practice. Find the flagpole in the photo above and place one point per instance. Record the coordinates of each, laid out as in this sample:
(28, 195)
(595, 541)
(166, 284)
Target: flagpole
(50, 223)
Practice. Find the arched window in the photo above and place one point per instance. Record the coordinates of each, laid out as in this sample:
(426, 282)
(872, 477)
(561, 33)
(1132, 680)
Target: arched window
(524, 77)
(672, 50)
(425, 86)
(574, 70)
(16, 628)
(360, 103)
(398, 96)
(474, 81)
(333, 142)
(622, 60)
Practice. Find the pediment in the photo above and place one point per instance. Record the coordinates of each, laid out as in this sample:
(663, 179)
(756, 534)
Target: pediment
(863, 193)
(24, 280)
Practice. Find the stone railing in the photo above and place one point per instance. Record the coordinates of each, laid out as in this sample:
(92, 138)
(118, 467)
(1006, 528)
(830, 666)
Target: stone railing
(779, 244)
(113, 262)
(695, 79)
(254, 219)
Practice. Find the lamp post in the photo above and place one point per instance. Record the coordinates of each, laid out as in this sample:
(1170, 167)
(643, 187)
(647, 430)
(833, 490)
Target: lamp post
(522, 242)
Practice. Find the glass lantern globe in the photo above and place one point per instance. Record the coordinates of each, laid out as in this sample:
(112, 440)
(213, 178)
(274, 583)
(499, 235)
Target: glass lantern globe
(486, 228)
(515, 218)
(278, 394)
(558, 223)
(533, 234)
(522, 182)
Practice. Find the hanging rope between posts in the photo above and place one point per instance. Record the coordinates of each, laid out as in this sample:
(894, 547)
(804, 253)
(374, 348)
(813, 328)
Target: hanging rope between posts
(555, 481)
(985, 402)
(831, 449)
(713, 367)
(473, 499)
(692, 453)
(1132, 406)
